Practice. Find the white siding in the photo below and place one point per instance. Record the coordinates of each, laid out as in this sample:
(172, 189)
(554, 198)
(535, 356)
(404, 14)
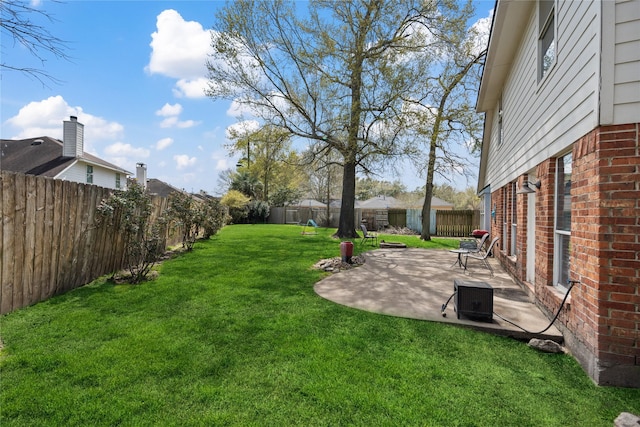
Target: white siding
(626, 80)
(101, 176)
(541, 119)
(76, 173)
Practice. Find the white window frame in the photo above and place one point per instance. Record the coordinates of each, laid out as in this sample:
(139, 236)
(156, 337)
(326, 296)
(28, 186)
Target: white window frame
(89, 174)
(118, 182)
(547, 21)
(505, 217)
(514, 220)
(560, 235)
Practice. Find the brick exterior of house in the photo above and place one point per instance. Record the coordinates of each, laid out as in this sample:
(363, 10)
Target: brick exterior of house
(601, 319)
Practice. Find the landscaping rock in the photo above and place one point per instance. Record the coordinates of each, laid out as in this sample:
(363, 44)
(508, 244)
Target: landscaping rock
(627, 419)
(335, 265)
(547, 346)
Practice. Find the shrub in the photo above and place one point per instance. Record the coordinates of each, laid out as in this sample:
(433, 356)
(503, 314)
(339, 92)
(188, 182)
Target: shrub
(184, 212)
(129, 212)
(214, 216)
(237, 204)
(258, 210)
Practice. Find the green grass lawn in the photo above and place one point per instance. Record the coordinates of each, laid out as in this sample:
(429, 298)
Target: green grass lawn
(233, 334)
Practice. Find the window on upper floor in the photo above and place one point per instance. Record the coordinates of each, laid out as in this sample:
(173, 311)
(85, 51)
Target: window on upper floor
(546, 36)
(118, 185)
(89, 174)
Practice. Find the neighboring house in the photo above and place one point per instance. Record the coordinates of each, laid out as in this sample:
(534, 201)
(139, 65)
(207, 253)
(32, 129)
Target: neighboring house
(156, 187)
(560, 169)
(160, 188)
(64, 160)
(381, 202)
(437, 204)
(308, 203)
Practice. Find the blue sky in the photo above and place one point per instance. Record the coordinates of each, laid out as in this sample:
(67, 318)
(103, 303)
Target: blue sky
(135, 79)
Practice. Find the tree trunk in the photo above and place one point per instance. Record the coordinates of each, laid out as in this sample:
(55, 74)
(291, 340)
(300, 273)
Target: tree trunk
(426, 212)
(347, 226)
(328, 196)
(431, 167)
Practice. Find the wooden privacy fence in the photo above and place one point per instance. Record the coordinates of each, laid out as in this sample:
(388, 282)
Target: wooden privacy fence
(49, 240)
(457, 223)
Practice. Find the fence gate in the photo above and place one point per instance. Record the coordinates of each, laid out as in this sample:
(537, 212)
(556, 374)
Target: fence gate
(398, 217)
(459, 223)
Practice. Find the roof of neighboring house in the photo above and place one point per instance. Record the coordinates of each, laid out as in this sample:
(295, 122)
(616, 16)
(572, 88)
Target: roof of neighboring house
(381, 202)
(435, 203)
(338, 203)
(309, 203)
(43, 156)
(161, 188)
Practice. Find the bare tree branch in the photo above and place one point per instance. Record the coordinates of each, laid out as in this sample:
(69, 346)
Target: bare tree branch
(18, 22)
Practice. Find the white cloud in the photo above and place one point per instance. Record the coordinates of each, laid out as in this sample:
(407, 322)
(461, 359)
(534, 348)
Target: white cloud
(171, 112)
(184, 161)
(163, 143)
(190, 88)
(168, 110)
(125, 155)
(479, 33)
(242, 128)
(171, 122)
(237, 110)
(179, 49)
(121, 149)
(45, 117)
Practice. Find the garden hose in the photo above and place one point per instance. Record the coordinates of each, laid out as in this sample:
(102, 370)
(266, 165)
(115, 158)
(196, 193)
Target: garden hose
(571, 283)
(444, 306)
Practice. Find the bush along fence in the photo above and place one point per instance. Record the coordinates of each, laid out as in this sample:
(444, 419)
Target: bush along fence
(53, 238)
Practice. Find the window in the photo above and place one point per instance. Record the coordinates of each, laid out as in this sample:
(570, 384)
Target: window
(546, 36)
(514, 219)
(505, 215)
(562, 255)
(118, 181)
(89, 174)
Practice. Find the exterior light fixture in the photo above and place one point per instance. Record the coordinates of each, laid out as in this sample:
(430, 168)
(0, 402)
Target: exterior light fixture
(526, 187)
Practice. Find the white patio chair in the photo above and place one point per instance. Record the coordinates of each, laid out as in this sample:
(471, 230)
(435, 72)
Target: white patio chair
(482, 256)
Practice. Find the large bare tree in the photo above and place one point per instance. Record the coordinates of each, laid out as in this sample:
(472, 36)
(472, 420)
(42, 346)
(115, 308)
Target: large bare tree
(336, 74)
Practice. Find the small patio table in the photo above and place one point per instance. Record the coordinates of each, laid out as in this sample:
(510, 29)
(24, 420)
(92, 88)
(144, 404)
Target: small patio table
(460, 252)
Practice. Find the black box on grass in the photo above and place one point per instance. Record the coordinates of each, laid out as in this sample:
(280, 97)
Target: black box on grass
(473, 299)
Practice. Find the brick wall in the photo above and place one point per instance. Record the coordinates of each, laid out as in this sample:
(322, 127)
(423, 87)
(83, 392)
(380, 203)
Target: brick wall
(605, 245)
(601, 320)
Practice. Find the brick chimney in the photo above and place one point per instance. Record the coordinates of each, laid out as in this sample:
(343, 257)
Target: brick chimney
(141, 174)
(73, 138)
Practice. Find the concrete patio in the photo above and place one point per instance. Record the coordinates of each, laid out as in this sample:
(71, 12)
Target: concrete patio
(415, 283)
